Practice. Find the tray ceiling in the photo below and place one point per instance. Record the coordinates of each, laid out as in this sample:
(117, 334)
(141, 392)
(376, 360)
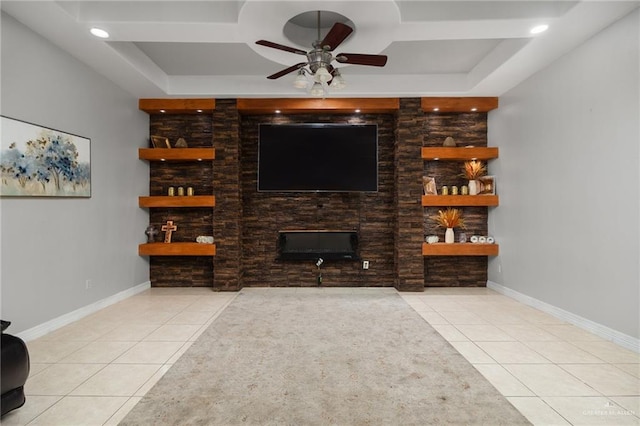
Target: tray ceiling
(207, 48)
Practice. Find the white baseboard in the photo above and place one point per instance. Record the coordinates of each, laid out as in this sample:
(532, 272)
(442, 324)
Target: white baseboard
(605, 332)
(61, 321)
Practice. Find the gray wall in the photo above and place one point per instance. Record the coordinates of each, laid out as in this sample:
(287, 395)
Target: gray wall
(50, 247)
(568, 181)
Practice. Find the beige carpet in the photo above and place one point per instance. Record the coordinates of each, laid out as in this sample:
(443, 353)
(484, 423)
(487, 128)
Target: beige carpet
(322, 357)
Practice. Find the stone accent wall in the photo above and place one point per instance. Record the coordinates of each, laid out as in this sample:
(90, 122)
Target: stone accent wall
(409, 228)
(245, 223)
(466, 129)
(227, 221)
(265, 213)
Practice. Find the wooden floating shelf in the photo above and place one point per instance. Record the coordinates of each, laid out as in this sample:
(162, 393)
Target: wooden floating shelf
(177, 154)
(176, 249)
(462, 153)
(177, 106)
(459, 200)
(459, 104)
(178, 201)
(460, 249)
(314, 105)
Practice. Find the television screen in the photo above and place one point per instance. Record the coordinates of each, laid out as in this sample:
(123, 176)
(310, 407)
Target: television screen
(316, 157)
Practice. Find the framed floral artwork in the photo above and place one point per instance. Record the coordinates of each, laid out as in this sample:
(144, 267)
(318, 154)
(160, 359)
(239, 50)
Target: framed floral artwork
(37, 161)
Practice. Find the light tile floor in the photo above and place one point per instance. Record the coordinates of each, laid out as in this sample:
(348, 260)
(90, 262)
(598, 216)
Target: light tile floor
(553, 372)
(92, 372)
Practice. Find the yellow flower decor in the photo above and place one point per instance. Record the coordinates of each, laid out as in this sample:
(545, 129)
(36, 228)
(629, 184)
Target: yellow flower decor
(449, 218)
(474, 169)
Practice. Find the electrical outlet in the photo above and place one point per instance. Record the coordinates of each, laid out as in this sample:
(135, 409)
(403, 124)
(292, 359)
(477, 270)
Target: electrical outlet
(87, 284)
(365, 264)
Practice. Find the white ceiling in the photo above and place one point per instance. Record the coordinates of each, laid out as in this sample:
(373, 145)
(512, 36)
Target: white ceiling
(207, 48)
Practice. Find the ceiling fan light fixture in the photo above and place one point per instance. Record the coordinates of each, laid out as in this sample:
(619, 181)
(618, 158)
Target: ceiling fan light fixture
(301, 80)
(317, 70)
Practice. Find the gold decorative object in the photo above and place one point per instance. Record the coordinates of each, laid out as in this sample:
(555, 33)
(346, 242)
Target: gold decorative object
(464, 190)
(171, 192)
(180, 191)
(444, 190)
(190, 191)
(181, 143)
(454, 190)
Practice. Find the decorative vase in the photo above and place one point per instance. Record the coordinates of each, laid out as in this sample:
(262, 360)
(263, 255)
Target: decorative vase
(473, 187)
(449, 237)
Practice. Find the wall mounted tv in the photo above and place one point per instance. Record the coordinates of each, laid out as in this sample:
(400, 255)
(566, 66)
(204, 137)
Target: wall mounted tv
(318, 157)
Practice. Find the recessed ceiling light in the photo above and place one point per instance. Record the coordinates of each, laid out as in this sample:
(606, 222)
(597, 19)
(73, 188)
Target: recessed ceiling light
(539, 29)
(277, 111)
(163, 111)
(357, 110)
(199, 110)
(99, 32)
(474, 109)
(436, 109)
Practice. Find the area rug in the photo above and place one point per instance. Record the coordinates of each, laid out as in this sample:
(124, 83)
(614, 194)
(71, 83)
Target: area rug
(322, 357)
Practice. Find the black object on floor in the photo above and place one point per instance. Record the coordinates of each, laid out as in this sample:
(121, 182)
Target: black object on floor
(14, 363)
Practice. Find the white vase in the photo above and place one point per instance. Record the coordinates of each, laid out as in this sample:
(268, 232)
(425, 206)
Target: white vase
(448, 236)
(473, 187)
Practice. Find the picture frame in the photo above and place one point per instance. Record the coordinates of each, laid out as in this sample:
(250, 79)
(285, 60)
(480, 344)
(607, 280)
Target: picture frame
(160, 142)
(429, 185)
(487, 185)
(38, 161)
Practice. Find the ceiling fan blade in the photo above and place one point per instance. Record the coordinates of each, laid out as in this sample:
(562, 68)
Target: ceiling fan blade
(360, 59)
(338, 33)
(286, 71)
(280, 47)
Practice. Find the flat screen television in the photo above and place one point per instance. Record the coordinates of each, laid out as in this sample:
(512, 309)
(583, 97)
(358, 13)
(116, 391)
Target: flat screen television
(318, 157)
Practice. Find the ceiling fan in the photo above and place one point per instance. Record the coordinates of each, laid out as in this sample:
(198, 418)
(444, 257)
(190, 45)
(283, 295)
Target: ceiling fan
(320, 57)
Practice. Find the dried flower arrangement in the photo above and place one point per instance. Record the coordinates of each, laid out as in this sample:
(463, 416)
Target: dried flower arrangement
(474, 169)
(449, 218)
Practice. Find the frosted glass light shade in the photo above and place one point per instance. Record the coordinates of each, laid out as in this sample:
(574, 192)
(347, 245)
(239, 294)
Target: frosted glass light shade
(322, 75)
(301, 81)
(338, 82)
(317, 89)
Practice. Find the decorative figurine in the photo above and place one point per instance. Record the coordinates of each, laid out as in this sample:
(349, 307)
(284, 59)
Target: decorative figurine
(181, 143)
(449, 141)
(151, 233)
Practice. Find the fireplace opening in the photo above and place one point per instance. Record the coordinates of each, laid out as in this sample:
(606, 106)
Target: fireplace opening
(315, 244)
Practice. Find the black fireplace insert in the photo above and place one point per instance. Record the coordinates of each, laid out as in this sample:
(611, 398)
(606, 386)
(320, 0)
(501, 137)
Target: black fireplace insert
(315, 244)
